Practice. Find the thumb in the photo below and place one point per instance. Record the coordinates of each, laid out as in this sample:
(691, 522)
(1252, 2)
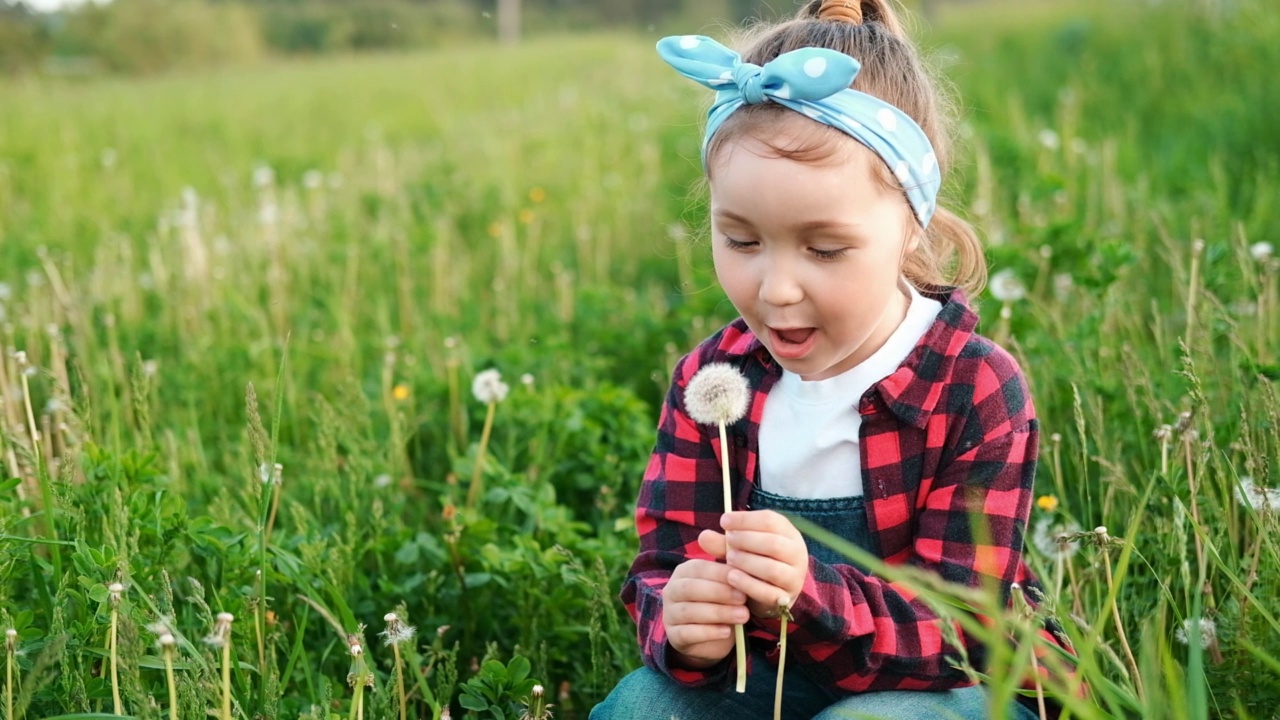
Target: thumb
(713, 543)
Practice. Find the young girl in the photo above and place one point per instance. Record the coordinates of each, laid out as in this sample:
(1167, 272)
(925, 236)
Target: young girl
(877, 412)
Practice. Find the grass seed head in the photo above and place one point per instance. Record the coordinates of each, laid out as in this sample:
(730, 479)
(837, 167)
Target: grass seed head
(718, 393)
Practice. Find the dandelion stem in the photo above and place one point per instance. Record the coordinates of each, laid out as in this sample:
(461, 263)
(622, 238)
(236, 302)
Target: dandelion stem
(395, 648)
(473, 494)
(226, 678)
(115, 675)
(739, 634)
(785, 611)
(173, 688)
(1124, 641)
(42, 474)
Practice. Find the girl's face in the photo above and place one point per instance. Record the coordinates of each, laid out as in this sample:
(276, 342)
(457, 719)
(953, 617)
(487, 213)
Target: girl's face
(810, 254)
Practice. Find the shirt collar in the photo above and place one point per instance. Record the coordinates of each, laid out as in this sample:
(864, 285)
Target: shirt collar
(913, 390)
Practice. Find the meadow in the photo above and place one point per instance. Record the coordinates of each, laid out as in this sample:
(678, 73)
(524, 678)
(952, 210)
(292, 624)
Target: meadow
(242, 312)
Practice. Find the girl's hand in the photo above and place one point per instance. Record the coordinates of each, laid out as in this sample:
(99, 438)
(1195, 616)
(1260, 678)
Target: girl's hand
(699, 610)
(767, 558)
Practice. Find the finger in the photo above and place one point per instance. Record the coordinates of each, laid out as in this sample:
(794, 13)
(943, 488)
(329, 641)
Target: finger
(700, 613)
(779, 547)
(699, 641)
(701, 569)
(760, 521)
(712, 543)
(761, 567)
(765, 594)
(700, 590)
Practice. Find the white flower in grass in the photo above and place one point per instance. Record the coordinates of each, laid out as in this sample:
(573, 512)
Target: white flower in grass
(1049, 139)
(1006, 287)
(271, 474)
(718, 393)
(1051, 538)
(10, 640)
(312, 179)
(263, 176)
(1262, 500)
(488, 387)
(397, 631)
(1208, 633)
(1261, 251)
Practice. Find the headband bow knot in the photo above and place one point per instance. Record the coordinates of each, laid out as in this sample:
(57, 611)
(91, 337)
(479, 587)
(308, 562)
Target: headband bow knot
(814, 82)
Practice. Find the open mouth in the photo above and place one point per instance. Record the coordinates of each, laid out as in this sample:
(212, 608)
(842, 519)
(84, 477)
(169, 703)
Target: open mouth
(792, 343)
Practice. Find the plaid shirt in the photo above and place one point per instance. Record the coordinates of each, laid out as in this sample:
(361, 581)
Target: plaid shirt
(952, 432)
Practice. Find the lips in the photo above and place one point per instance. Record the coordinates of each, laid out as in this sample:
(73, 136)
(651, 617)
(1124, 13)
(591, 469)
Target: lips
(792, 343)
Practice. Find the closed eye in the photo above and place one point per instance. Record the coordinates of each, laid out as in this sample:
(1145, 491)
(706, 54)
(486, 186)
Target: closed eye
(828, 254)
(738, 244)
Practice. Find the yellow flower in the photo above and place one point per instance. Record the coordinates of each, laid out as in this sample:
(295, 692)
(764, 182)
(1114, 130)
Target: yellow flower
(1047, 503)
(495, 229)
(525, 216)
(400, 392)
(537, 194)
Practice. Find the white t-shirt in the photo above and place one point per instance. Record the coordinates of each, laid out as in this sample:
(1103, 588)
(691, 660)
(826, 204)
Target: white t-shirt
(809, 446)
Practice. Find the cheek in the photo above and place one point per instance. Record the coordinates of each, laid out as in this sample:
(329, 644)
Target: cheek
(733, 274)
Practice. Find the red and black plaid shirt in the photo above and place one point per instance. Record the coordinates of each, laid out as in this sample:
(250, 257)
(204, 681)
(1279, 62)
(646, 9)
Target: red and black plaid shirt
(950, 434)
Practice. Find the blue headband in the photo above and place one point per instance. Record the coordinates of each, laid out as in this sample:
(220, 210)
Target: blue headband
(814, 82)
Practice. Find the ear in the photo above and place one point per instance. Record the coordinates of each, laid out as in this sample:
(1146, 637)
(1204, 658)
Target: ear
(915, 236)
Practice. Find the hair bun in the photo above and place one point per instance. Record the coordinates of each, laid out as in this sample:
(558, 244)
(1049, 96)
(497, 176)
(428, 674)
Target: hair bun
(849, 11)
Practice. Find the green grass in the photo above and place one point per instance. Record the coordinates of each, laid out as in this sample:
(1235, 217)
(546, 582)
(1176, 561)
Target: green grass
(522, 209)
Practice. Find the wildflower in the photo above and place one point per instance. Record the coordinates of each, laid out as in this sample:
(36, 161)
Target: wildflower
(150, 367)
(718, 393)
(1208, 631)
(1049, 139)
(1261, 251)
(495, 229)
(488, 387)
(116, 590)
(1006, 287)
(536, 707)
(382, 481)
(397, 631)
(312, 179)
(537, 194)
(271, 474)
(525, 216)
(1262, 500)
(527, 380)
(1056, 438)
(400, 392)
(10, 640)
(1047, 503)
(221, 630)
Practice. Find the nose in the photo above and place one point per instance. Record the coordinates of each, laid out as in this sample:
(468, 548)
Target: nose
(779, 283)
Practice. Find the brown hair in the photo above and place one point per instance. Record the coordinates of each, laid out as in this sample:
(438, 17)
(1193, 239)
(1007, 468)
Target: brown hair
(868, 30)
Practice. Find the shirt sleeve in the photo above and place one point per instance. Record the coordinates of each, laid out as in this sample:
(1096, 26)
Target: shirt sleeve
(857, 632)
(680, 496)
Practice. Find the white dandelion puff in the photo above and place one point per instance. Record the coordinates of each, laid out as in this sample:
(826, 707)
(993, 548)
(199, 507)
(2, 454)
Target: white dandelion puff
(1208, 632)
(488, 387)
(263, 176)
(312, 179)
(1261, 251)
(271, 474)
(1006, 287)
(397, 631)
(718, 393)
(1049, 139)
(221, 630)
(382, 481)
(1263, 500)
(1051, 538)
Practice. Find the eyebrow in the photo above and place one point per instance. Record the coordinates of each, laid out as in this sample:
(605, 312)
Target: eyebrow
(804, 227)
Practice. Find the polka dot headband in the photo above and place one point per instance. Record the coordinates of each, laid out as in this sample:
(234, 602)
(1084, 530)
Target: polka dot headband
(814, 82)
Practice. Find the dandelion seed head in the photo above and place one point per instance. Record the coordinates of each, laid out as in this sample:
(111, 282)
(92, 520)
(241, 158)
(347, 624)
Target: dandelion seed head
(382, 481)
(390, 617)
(1208, 633)
(166, 640)
(1006, 287)
(1049, 139)
(718, 393)
(1261, 251)
(1197, 246)
(1050, 538)
(312, 179)
(1100, 531)
(537, 690)
(263, 176)
(526, 380)
(488, 387)
(356, 650)
(226, 617)
(1263, 500)
(271, 474)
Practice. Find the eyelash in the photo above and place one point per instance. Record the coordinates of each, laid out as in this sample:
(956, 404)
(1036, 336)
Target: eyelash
(824, 255)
